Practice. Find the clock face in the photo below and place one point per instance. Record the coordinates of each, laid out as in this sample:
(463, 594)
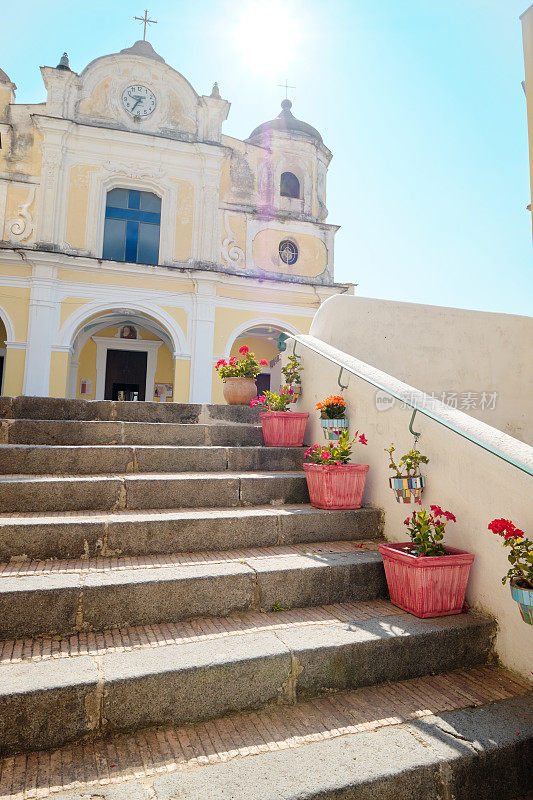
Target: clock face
(138, 101)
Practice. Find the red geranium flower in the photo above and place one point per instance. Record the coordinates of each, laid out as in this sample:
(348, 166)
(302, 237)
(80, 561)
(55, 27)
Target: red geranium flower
(363, 439)
(244, 349)
(264, 362)
(505, 528)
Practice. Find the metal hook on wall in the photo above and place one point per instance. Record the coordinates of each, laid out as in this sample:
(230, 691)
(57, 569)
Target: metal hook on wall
(416, 434)
(339, 380)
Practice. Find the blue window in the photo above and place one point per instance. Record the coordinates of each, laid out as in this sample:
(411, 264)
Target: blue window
(132, 224)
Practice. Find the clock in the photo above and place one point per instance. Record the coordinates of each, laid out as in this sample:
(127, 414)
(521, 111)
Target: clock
(138, 100)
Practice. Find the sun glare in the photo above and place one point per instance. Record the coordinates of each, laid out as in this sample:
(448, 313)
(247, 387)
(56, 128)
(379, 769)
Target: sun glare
(268, 36)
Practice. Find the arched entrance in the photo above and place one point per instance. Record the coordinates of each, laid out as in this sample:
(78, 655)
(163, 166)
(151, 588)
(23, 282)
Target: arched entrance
(122, 354)
(262, 338)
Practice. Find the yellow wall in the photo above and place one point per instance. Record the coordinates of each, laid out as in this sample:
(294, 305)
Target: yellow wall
(59, 374)
(261, 348)
(98, 103)
(269, 294)
(527, 36)
(21, 151)
(141, 281)
(15, 300)
(312, 258)
(87, 368)
(184, 221)
(14, 372)
(182, 375)
(78, 197)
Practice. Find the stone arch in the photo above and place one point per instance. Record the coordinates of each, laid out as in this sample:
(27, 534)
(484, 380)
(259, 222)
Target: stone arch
(73, 324)
(96, 316)
(8, 325)
(257, 322)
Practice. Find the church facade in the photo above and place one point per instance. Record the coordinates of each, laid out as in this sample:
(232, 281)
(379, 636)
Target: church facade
(139, 244)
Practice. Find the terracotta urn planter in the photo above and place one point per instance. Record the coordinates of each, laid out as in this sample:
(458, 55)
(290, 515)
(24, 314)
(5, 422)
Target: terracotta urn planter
(332, 428)
(239, 391)
(407, 490)
(284, 428)
(335, 486)
(426, 586)
(524, 598)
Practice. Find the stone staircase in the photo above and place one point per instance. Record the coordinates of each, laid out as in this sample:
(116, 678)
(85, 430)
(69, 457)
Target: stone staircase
(171, 604)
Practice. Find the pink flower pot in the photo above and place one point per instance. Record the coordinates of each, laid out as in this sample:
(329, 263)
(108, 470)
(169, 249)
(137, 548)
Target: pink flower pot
(426, 586)
(332, 486)
(284, 428)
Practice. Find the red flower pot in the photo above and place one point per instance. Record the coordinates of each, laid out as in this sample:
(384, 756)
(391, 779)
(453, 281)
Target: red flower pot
(284, 428)
(332, 486)
(426, 586)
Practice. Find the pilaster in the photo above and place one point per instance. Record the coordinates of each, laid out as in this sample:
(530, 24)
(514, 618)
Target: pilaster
(203, 332)
(42, 324)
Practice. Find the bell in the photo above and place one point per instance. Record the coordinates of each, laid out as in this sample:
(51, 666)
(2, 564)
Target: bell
(64, 62)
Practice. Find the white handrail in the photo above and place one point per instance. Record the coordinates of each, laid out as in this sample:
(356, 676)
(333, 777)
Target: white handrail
(519, 454)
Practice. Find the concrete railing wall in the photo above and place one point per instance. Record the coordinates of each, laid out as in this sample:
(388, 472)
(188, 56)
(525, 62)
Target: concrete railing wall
(479, 360)
(461, 477)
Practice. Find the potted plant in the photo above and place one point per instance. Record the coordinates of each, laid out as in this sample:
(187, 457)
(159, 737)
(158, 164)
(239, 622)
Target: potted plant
(332, 416)
(281, 427)
(408, 484)
(331, 480)
(424, 576)
(520, 575)
(291, 372)
(239, 376)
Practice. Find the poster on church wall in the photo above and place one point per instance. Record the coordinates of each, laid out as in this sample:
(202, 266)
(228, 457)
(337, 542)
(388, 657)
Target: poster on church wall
(163, 392)
(85, 386)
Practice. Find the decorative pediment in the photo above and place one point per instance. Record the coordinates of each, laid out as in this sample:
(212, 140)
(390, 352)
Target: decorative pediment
(138, 93)
(135, 90)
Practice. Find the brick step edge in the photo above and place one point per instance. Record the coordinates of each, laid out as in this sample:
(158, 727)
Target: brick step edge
(54, 408)
(65, 597)
(49, 703)
(145, 532)
(325, 748)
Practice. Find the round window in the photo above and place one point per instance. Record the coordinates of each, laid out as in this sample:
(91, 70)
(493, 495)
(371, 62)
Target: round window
(288, 252)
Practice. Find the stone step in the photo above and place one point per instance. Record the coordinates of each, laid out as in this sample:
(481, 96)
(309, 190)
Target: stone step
(116, 459)
(92, 594)
(439, 736)
(139, 533)
(54, 408)
(150, 490)
(73, 432)
(224, 666)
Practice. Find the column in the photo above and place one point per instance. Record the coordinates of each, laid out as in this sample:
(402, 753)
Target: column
(42, 324)
(203, 332)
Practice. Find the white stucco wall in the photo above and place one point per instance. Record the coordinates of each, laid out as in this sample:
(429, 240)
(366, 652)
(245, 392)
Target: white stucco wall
(442, 350)
(474, 484)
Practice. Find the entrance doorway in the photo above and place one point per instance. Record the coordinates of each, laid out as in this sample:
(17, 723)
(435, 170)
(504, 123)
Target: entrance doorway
(125, 375)
(263, 383)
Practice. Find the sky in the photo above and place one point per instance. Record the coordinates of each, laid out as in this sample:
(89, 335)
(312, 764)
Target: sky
(420, 102)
